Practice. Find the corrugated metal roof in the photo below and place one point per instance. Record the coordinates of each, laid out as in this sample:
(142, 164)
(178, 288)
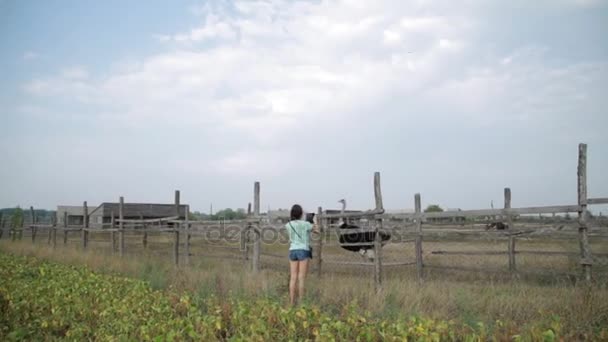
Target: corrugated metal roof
(148, 210)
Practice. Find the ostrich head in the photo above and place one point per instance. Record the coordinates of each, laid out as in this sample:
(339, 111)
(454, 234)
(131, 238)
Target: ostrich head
(343, 201)
(342, 220)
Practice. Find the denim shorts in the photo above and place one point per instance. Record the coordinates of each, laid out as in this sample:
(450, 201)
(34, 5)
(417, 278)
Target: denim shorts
(299, 254)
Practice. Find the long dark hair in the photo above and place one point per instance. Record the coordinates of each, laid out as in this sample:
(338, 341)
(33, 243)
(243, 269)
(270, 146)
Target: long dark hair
(296, 212)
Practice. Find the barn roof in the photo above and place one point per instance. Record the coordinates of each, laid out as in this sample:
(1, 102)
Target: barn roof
(148, 210)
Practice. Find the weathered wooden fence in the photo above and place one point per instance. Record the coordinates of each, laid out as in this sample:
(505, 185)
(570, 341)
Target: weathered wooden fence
(248, 233)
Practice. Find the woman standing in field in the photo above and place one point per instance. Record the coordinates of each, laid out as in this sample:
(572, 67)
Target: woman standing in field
(299, 250)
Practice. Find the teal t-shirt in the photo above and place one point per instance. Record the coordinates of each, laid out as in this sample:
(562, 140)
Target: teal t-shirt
(299, 234)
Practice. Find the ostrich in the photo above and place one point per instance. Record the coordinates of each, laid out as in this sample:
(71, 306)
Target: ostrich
(496, 224)
(358, 237)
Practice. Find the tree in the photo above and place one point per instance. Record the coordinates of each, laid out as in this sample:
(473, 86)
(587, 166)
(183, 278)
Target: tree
(433, 208)
(17, 218)
(229, 214)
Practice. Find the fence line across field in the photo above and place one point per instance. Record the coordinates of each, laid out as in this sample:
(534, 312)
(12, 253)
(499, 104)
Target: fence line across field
(249, 232)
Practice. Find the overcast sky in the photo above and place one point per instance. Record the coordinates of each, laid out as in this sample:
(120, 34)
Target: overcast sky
(455, 100)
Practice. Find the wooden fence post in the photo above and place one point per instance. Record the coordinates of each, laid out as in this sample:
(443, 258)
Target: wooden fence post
(378, 237)
(121, 225)
(245, 234)
(419, 263)
(257, 236)
(177, 200)
(582, 214)
(378, 191)
(176, 247)
(319, 255)
(33, 226)
(187, 223)
(52, 227)
(22, 228)
(113, 232)
(144, 240)
(65, 227)
(509, 217)
(85, 225)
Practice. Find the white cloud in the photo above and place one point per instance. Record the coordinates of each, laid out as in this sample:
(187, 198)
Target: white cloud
(422, 23)
(261, 69)
(252, 162)
(391, 36)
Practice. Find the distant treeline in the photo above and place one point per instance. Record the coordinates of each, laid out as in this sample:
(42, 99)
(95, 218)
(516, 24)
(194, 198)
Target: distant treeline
(224, 214)
(16, 217)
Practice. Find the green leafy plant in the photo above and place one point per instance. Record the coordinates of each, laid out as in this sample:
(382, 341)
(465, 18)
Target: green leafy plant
(47, 301)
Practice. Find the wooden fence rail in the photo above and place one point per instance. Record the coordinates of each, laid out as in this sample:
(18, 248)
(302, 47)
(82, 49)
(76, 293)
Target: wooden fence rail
(250, 229)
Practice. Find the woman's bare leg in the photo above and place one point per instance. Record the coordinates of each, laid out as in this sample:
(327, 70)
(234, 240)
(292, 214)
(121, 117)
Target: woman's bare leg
(302, 277)
(293, 278)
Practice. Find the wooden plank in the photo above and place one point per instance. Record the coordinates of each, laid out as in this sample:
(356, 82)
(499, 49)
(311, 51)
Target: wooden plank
(399, 241)
(85, 225)
(144, 239)
(603, 200)
(389, 264)
(319, 247)
(121, 226)
(245, 236)
(176, 248)
(487, 212)
(187, 223)
(556, 253)
(177, 200)
(350, 244)
(256, 199)
(33, 216)
(511, 244)
(440, 252)
(255, 260)
(378, 257)
(357, 230)
(586, 260)
(468, 269)
(101, 230)
(50, 230)
(361, 214)
(71, 229)
(352, 263)
(113, 232)
(418, 247)
(378, 192)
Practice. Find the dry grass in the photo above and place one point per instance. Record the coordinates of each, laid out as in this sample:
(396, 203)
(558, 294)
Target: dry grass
(467, 298)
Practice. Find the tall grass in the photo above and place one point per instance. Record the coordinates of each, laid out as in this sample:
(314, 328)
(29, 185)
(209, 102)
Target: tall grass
(580, 307)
